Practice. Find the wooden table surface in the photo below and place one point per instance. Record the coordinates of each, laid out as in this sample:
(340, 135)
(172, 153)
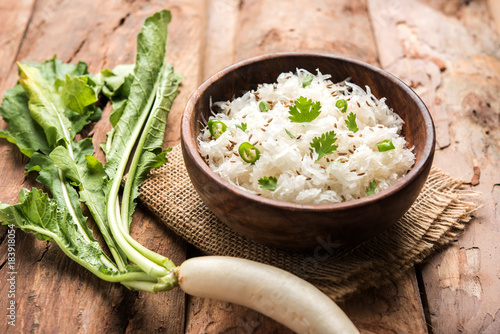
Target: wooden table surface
(447, 51)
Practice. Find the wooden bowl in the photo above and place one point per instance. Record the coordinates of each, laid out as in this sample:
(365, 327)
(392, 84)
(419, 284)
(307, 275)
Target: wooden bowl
(300, 226)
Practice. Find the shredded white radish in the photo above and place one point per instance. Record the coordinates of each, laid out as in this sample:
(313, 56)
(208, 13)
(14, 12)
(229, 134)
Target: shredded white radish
(343, 175)
(271, 291)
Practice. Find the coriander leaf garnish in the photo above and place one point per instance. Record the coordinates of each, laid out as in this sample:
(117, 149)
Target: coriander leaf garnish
(290, 134)
(268, 183)
(242, 126)
(371, 188)
(263, 106)
(307, 80)
(304, 110)
(385, 145)
(324, 145)
(342, 105)
(351, 122)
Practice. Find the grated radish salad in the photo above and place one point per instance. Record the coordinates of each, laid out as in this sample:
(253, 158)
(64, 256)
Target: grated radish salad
(329, 159)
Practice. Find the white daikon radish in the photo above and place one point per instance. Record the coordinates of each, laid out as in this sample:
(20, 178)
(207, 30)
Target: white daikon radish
(274, 292)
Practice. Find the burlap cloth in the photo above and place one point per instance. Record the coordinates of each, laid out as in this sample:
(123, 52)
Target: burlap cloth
(438, 214)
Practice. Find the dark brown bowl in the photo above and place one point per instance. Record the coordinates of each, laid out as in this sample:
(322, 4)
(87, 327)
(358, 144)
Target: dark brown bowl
(299, 226)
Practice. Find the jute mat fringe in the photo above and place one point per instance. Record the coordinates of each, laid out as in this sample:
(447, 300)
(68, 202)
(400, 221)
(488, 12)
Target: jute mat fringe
(439, 213)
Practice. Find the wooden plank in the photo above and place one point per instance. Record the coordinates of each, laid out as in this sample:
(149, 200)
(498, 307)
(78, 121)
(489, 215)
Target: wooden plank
(53, 294)
(457, 73)
(15, 16)
(222, 21)
(206, 315)
(388, 309)
(337, 26)
(257, 27)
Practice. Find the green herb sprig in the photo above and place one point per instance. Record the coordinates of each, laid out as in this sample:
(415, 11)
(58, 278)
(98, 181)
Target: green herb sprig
(268, 183)
(323, 145)
(351, 122)
(263, 106)
(371, 188)
(242, 126)
(290, 134)
(307, 80)
(304, 110)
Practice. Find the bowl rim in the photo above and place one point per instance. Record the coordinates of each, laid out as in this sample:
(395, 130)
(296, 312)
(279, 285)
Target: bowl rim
(190, 145)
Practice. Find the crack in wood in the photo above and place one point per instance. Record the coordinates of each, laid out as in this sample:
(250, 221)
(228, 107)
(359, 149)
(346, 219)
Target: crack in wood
(424, 299)
(47, 246)
(77, 51)
(121, 22)
(3, 264)
(23, 38)
(2, 238)
(126, 309)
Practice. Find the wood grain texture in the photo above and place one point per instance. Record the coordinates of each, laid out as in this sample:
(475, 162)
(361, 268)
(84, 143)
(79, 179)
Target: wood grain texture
(395, 311)
(448, 51)
(340, 27)
(457, 72)
(54, 294)
(15, 17)
(334, 26)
